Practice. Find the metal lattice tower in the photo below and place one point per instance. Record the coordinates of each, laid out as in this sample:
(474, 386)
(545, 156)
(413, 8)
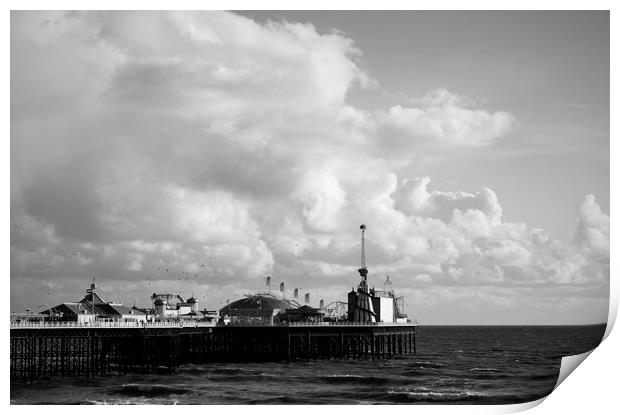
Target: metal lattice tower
(363, 228)
(363, 270)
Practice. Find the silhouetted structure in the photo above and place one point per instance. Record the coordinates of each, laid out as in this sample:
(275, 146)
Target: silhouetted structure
(44, 352)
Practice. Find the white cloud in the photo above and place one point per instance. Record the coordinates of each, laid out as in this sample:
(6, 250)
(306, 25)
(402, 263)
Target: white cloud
(472, 222)
(135, 261)
(592, 232)
(414, 198)
(509, 252)
(446, 119)
(322, 197)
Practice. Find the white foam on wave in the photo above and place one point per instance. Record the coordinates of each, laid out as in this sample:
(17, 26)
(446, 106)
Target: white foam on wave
(155, 385)
(446, 394)
(115, 402)
(424, 362)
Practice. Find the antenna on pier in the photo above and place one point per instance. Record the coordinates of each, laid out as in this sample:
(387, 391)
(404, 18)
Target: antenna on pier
(363, 270)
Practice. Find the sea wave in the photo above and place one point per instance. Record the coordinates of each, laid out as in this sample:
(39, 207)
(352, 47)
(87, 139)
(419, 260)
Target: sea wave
(428, 364)
(484, 369)
(423, 395)
(150, 390)
(356, 379)
(281, 399)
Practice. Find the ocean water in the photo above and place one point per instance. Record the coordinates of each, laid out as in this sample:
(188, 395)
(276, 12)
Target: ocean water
(453, 365)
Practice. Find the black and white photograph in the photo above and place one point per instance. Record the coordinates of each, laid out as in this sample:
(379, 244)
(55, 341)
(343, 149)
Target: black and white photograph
(306, 207)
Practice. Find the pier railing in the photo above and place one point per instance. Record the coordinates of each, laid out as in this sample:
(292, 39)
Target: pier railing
(346, 323)
(175, 324)
(109, 324)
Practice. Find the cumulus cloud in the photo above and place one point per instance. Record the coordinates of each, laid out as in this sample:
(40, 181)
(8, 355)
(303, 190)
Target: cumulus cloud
(592, 232)
(202, 151)
(322, 198)
(444, 118)
(414, 198)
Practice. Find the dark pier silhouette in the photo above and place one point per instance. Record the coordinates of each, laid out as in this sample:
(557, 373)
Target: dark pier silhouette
(42, 352)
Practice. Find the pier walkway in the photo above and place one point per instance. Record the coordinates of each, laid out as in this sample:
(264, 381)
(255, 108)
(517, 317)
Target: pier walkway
(176, 324)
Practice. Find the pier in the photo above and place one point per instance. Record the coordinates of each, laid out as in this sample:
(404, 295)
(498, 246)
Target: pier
(93, 337)
(42, 351)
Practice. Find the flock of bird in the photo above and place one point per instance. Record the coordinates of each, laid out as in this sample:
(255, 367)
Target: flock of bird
(208, 271)
(183, 275)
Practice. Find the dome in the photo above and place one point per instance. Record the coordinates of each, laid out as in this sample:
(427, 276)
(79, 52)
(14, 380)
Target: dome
(191, 300)
(159, 301)
(258, 302)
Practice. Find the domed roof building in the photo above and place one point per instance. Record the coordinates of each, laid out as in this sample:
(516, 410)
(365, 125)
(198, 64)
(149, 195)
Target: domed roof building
(256, 309)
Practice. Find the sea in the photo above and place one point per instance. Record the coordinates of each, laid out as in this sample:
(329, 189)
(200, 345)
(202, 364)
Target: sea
(453, 365)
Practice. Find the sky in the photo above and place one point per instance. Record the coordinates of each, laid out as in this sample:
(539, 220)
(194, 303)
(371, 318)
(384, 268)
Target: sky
(201, 152)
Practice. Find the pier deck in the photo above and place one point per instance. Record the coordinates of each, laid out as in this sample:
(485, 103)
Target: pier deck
(38, 351)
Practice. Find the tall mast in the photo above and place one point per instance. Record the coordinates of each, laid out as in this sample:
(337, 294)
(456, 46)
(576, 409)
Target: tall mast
(363, 270)
(363, 228)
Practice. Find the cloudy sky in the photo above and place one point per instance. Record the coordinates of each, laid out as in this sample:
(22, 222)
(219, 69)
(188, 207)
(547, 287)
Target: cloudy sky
(200, 152)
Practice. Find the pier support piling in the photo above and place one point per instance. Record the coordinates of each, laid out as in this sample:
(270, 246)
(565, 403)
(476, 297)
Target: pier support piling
(90, 352)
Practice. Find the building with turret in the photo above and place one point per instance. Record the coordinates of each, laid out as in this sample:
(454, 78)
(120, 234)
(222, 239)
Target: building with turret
(92, 307)
(175, 306)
